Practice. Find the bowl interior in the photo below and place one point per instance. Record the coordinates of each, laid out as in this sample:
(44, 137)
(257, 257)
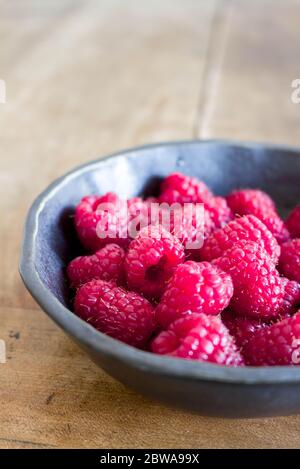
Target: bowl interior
(221, 165)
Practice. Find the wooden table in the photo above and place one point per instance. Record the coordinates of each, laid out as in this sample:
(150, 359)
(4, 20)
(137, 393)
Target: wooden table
(86, 78)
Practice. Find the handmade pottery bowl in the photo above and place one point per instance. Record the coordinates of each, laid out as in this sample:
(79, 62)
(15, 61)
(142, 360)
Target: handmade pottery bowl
(50, 242)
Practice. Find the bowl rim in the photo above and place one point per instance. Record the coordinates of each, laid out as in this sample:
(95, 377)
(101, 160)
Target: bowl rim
(101, 343)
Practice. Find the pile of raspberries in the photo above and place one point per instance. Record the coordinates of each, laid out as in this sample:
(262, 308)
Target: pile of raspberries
(235, 301)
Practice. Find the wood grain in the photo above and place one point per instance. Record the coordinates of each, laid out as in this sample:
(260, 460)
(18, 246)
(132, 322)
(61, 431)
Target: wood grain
(85, 78)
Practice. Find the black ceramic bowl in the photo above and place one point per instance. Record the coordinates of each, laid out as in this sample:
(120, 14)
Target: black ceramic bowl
(50, 242)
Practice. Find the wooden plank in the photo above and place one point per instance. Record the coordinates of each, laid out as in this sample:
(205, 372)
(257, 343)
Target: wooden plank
(94, 79)
(247, 91)
(52, 395)
(89, 77)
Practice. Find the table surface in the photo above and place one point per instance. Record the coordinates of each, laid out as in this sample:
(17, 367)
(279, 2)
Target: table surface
(86, 78)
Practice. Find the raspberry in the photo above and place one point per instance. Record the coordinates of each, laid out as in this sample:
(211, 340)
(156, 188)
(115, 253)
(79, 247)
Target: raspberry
(291, 298)
(247, 227)
(105, 264)
(123, 315)
(198, 337)
(191, 229)
(248, 201)
(194, 288)
(258, 203)
(179, 188)
(88, 219)
(151, 259)
(293, 222)
(241, 328)
(275, 345)
(219, 211)
(289, 262)
(274, 223)
(108, 219)
(258, 290)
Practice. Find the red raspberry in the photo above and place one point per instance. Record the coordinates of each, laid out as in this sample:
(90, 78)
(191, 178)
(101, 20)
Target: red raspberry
(198, 337)
(241, 328)
(110, 215)
(88, 219)
(289, 262)
(105, 264)
(247, 201)
(194, 288)
(179, 188)
(278, 344)
(258, 290)
(151, 259)
(191, 230)
(293, 222)
(219, 211)
(248, 228)
(274, 223)
(291, 298)
(124, 315)
(258, 203)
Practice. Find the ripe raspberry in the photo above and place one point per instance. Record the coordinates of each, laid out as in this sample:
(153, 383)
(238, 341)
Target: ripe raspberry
(289, 262)
(247, 201)
(107, 219)
(291, 298)
(258, 203)
(247, 227)
(89, 217)
(258, 290)
(276, 225)
(124, 315)
(105, 264)
(240, 327)
(275, 345)
(194, 288)
(191, 229)
(293, 222)
(198, 337)
(219, 211)
(138, 215)
(151, 259)
(179, 188)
